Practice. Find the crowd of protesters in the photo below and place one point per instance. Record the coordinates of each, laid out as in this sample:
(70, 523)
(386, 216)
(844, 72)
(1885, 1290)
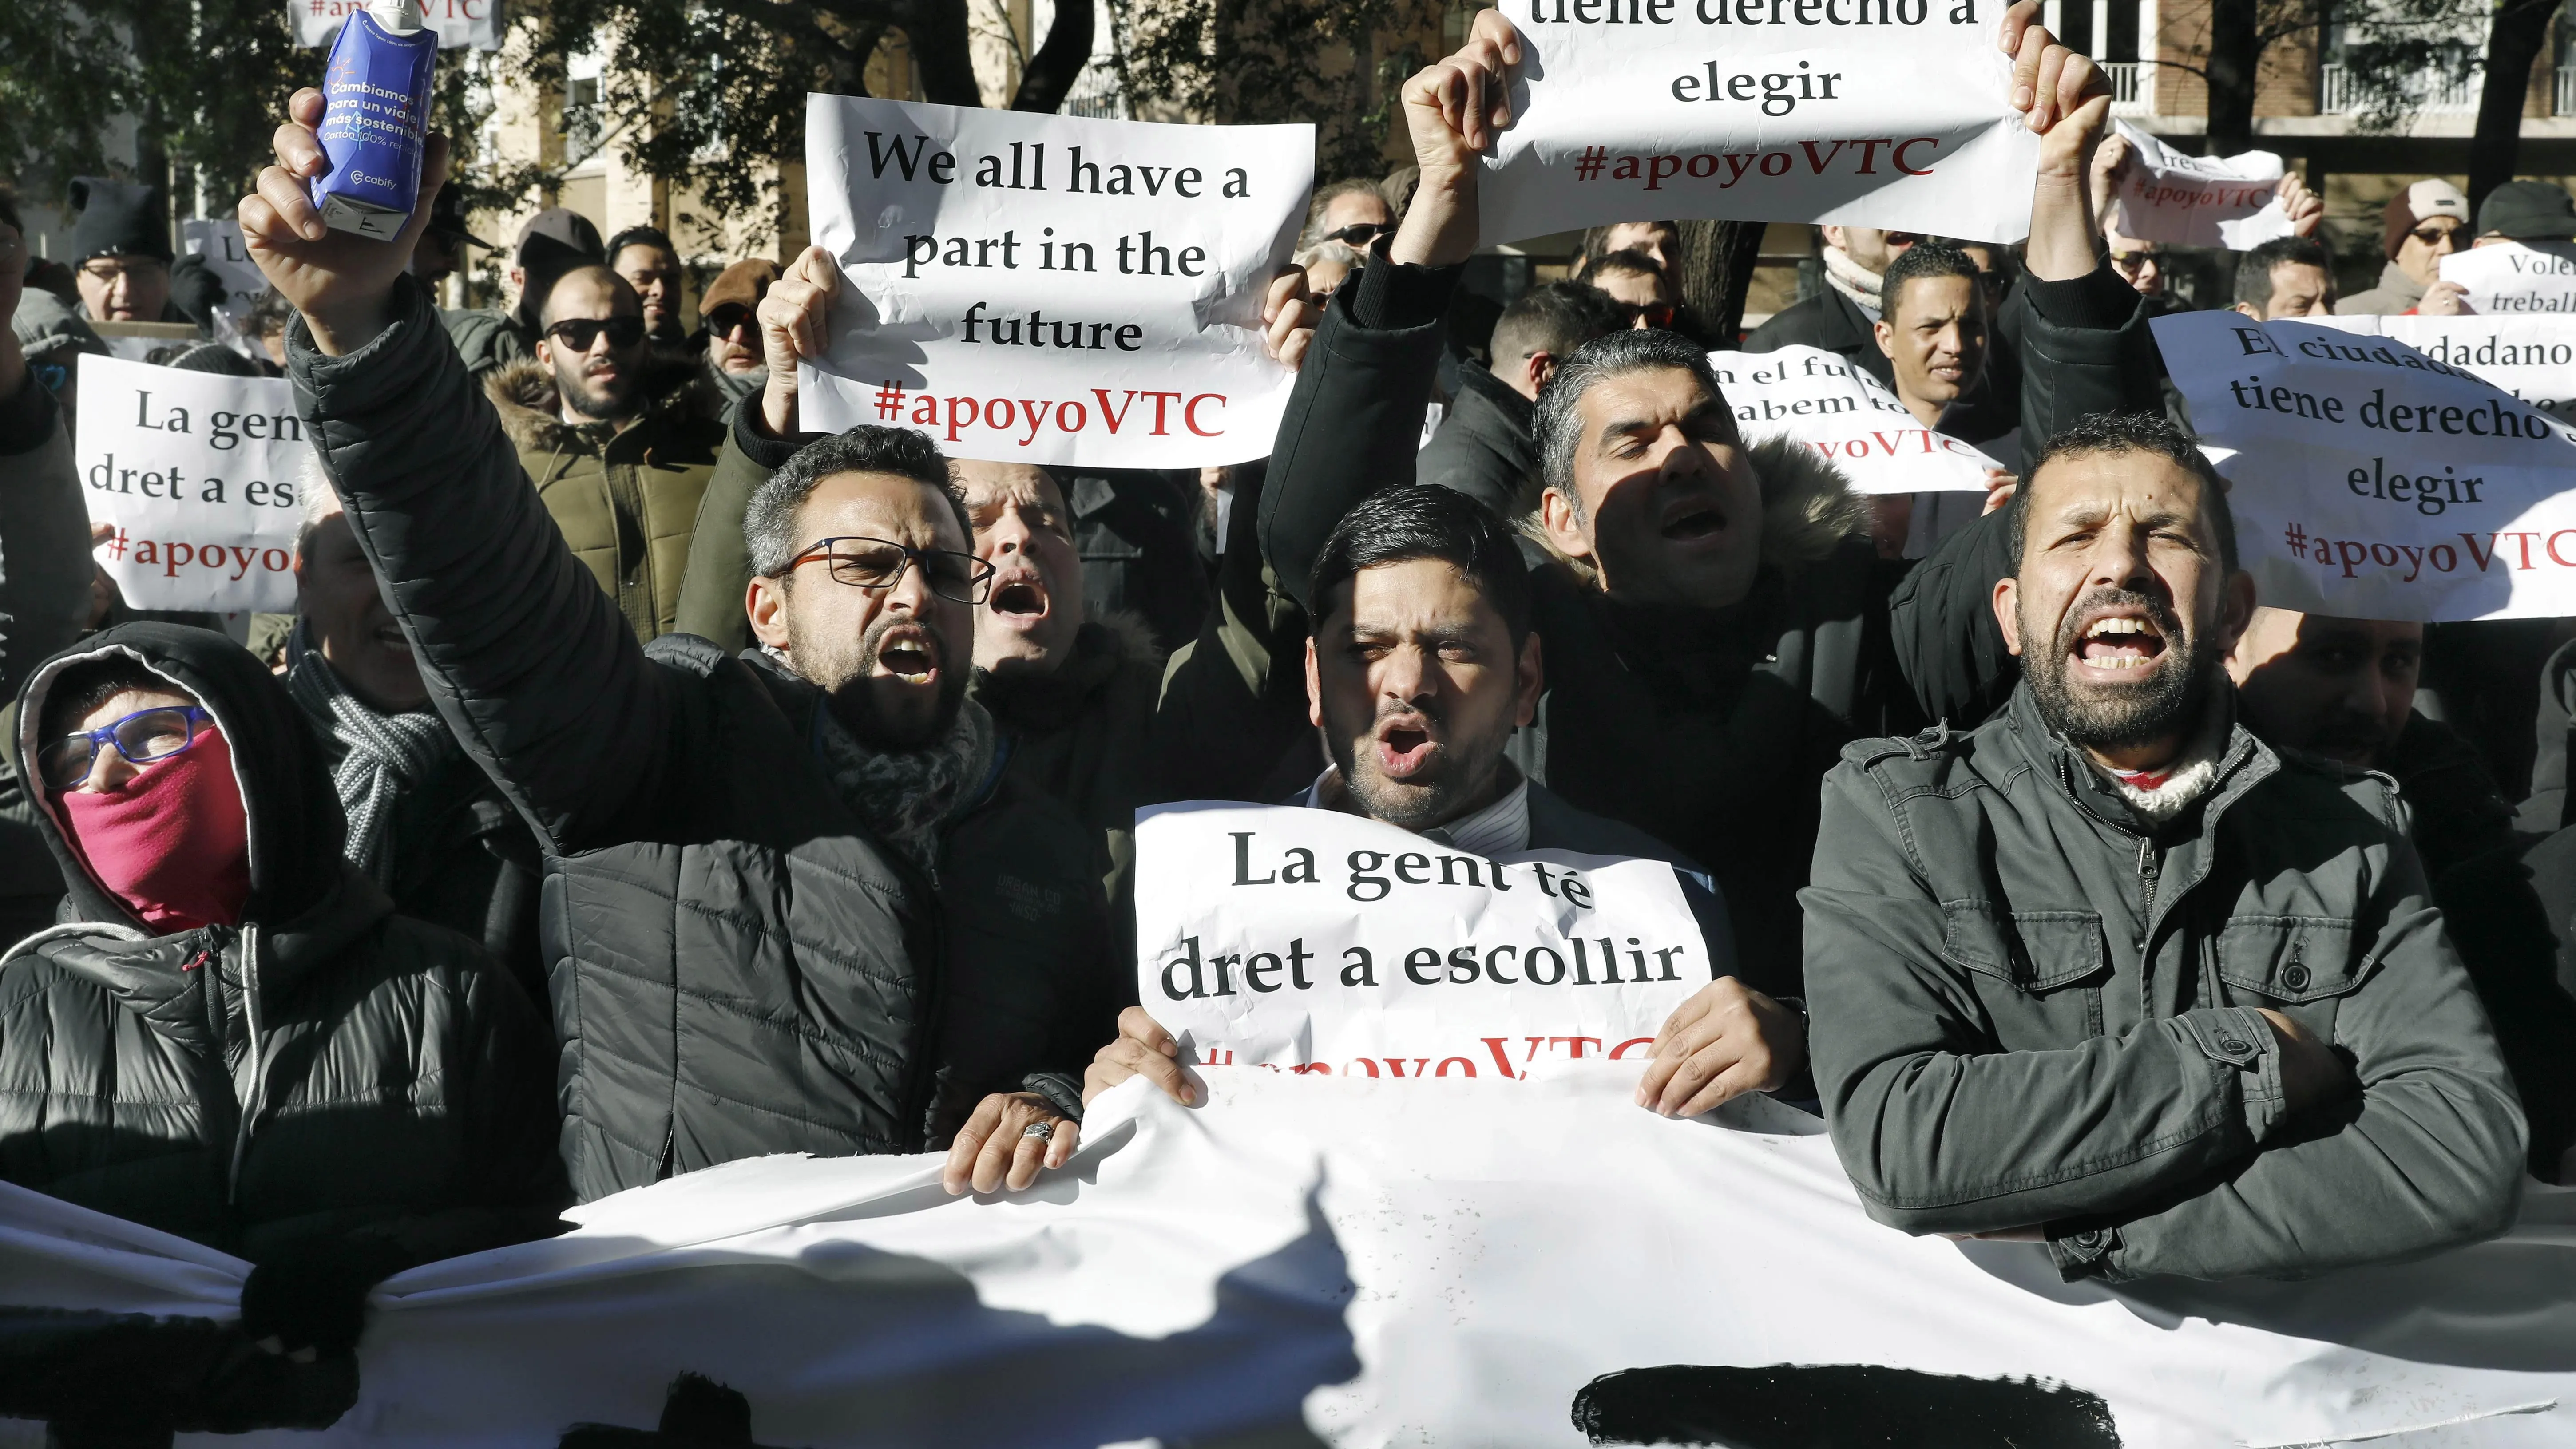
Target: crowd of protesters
(644, 783)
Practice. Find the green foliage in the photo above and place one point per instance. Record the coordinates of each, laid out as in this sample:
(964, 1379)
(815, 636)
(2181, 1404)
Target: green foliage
(1257, 61)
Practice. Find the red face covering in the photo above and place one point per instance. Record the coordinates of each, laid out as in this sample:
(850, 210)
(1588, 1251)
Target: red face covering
(172, 842)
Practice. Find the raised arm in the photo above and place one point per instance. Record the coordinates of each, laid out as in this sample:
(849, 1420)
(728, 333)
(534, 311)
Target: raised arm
(527, 660)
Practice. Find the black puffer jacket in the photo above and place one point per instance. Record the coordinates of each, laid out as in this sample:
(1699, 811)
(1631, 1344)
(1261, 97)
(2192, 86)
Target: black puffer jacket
(323, 1070)
(738, 965)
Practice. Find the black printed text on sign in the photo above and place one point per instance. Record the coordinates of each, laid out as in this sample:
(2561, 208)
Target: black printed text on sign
(1052, 290)
(196, 473)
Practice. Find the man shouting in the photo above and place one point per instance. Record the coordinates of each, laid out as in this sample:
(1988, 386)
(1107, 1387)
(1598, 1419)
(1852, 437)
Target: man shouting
(2109, 973)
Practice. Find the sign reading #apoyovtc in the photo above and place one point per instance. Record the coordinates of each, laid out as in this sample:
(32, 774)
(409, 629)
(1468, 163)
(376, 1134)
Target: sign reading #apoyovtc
(2372, 481)
(1052, 289)
(1883, 113)
(1314, 941)
(196, 473)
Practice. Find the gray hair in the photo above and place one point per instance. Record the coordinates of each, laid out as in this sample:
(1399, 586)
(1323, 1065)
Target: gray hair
(770, 531)
(1557, 425)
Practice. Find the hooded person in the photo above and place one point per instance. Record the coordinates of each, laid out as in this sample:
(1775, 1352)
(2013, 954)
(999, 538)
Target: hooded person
(231, 1037)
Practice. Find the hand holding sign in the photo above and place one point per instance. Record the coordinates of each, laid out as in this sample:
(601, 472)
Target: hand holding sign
(339, 280)
(1727, 1040)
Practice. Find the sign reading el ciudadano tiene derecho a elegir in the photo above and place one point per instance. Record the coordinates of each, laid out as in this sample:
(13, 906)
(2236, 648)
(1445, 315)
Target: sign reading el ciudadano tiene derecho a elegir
(2372, 481)
(1054, 290)
(1885, 113)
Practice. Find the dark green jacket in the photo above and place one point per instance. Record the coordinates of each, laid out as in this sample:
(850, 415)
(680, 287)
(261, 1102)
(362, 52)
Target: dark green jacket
(2027, 1009)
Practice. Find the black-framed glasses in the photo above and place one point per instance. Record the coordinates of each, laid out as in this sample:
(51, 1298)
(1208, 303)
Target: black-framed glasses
(877, 564)
(108, 269)
(1359, 234)
(722, 321)
(578, 333)
(141, 737)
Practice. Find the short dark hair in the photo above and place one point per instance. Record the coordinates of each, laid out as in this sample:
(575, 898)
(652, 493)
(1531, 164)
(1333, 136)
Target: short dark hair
(769, 525)
(1556, 426)
(1596, 239)
(1628, 261)
(86, 685)
(1555, 318)
(2254, 269)
(640, 236)
(2129, 433)
(1427, 521)
(600, 270)
(1923, 259)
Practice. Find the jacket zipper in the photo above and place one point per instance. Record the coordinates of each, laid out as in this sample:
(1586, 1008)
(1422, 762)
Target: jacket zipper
(257, 1098)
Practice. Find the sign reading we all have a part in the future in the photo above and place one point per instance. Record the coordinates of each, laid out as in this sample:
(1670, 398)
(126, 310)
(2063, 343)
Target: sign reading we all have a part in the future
(1313, 941)
(1881, 113)
(196, 474)
(1055, 290)
(2372, 481)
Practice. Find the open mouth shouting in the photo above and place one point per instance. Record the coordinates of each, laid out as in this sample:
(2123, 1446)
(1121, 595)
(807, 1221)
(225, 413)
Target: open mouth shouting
(1020, 599)
(909, 653)
(1406, 746)
(1695, 516)
(2119, 642)
(390, 635)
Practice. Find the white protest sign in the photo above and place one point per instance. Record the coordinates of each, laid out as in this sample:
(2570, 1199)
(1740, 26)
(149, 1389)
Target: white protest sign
(1313, 1260)
(2515, 277)
(2374, 482)
(220, 243)
(2534, 358)
(1881, 113)
(1830, 404)
(197, 472)
(1322, 942)
(2165, 195)
(1052, 289)
(477, 23)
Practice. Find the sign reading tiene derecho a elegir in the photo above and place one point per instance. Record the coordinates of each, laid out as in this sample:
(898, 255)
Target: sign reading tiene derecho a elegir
(1882, 113)
(1052, 289)
(1315, 941)
(2371, 481)
(196, 472)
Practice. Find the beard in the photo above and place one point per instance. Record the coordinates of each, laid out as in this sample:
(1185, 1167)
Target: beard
(600, 404)
(2122, 716)
(1458, 777)
(845, 671)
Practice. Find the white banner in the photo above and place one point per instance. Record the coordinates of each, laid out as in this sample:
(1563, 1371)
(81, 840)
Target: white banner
(1832, 405)
(2374, 482)
(220, 243)
(1277, 935)
(1052, 289)
(2534, 358)
(477, 23)
(1365, 1264)
(2515, 277)
(197, 471)
(2169, 196)
(1880, 113)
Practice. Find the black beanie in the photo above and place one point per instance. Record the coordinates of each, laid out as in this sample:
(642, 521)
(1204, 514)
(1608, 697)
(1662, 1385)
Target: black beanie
(118, 219)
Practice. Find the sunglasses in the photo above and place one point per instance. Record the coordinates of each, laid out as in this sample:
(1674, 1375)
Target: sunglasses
(2135, 261)
(141, 737)
(1359, 234)
(2433, 236)
(578, 333)
(722, 321)
(876, 564)
(1653, 314)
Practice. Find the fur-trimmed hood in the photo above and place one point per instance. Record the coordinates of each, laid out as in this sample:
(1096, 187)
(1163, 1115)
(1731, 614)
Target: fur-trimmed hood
(531, 405)
(1808, 510)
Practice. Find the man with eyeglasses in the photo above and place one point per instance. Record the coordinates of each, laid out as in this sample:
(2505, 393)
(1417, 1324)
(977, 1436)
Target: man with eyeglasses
(2422, 226)
(794, 901)
(1353, 212)
(729, 320)
(1637, 284)
(618, 438)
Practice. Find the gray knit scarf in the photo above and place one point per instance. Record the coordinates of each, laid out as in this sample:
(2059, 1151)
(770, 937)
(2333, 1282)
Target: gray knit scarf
(910, 796)
(1854, 281)
(380, 757)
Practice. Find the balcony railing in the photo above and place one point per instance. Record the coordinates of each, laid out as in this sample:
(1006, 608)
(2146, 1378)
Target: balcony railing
(2339, 94)
(2563, 95)
(1097, 92)
(2133, 86)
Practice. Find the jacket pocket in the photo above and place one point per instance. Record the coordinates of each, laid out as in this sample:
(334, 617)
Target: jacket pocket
(2037, 951)
(2289, 958)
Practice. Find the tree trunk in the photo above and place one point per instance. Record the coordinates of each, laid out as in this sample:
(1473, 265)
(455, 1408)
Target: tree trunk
(937, 30)
(2235, 54)
(1052, 70)
(1715, 271)
(2521, 28)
